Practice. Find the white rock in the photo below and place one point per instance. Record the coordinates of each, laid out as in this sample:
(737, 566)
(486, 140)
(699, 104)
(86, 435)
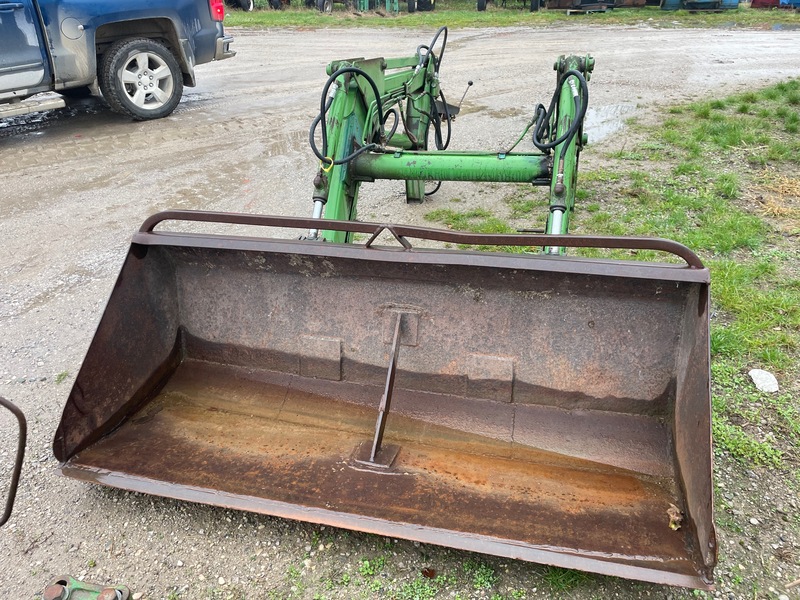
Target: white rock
(138, 596)
(764, 380)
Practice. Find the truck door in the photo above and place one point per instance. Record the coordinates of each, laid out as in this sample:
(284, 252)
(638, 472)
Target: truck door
(23, 60)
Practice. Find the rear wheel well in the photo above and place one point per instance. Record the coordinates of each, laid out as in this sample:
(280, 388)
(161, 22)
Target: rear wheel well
(160, 30)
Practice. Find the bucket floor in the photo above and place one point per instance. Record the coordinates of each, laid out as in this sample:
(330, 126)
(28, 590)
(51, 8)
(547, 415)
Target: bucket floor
(283, 444)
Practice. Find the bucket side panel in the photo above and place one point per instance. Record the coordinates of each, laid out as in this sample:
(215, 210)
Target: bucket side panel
(135, 348)
(692, 427)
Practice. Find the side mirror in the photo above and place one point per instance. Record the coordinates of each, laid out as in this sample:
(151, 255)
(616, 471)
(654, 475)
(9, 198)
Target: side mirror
(23, 435)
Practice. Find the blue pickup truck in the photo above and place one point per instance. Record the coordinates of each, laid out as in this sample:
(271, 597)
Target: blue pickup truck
(138, 53)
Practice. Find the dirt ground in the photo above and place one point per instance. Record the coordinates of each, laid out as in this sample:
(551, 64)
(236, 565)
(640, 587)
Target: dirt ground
(75, 184)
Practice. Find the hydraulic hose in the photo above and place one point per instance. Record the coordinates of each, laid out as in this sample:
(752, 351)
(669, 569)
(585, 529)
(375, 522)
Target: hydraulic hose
(544, 116)
(325, 103)
(429, 50)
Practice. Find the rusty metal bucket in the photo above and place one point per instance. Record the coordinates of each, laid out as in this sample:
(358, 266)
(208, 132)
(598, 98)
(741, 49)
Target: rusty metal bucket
(544, 408)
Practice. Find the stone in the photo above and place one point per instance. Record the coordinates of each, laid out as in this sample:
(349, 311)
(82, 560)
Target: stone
(764, 380)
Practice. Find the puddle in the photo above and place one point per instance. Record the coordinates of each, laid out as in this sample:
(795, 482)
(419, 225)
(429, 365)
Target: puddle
(603, 121)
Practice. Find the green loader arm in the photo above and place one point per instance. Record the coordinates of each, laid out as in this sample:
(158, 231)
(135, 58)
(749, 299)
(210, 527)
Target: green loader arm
(376, 118)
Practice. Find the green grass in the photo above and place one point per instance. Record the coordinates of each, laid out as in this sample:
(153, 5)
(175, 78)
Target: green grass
(371, 567)
(740, 410)
(764, 311)
(420, 588)
(483, 575)
(462, 13)
(758, 125)
(477, 220)
(564, 580)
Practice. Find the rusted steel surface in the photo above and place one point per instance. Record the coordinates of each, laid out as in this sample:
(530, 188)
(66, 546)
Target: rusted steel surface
(22, 436)
(402, 232)
(568, 399)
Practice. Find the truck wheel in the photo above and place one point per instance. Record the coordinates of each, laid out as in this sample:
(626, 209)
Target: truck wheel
(140, 78)
(325, 6)
(481, 5)
(276, 4)
(412, 6)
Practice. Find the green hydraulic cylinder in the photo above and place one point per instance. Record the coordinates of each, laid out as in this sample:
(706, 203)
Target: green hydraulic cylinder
(453, 166)
(565, 155)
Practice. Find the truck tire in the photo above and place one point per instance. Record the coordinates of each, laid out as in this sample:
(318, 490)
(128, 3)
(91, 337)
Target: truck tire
(276, 4)
(481, 5)
(325, 6)
(140, 78)
(412, 6)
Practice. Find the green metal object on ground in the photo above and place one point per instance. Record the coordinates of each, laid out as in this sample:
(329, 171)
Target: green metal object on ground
(69, 588)
(388, 119)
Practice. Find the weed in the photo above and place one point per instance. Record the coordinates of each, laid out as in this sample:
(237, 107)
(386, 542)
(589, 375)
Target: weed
(564, 580)
(294, 578)
(483, 576)
(742, 446)
(369, 568)
(421, 588)
(61, 376)
(727, 185)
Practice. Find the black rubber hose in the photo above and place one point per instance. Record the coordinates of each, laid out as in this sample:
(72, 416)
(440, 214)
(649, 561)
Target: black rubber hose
(325, 103)
(543, 117)
(448, 119)
(313, 131)
(438, 62)
(396, 123)
(429, 49)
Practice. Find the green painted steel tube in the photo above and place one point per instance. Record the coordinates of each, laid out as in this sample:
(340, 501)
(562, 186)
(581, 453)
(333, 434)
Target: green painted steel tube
(454, 166)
